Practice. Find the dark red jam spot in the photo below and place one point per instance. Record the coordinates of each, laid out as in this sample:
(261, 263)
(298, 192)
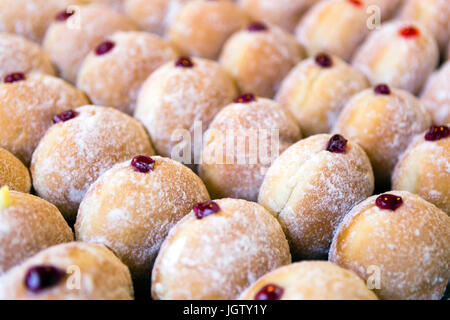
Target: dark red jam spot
(389, 202)
(64, 15)
(409, 32)
(205, 209)
(104, 47)
(39, 278)
(382, 89)
(257, 27)
(14, 77)
(337, 144)
(324, 60)
(143, 164)
(357, 3)
(65, 116)
(184, 62)
(437, 133)
(270, 292)
(245, 98)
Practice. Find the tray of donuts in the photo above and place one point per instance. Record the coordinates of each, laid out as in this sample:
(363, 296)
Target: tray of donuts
(224, 150)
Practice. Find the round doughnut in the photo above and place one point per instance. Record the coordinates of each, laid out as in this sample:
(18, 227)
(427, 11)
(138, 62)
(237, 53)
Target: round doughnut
(13, 172)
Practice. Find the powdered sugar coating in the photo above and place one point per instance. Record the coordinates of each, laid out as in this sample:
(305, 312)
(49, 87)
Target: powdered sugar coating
(28, 226)
(408, 248)
(313, 280)
(217, 257)
(27, 108)
(132, 212)
(240, 145)
(99, 274)
(436, 95)
(383, 125)
(404, 63)
(316, 95)
(310, 189)
(73, 154)
(114, 79)
(13, 172)
(259, 61)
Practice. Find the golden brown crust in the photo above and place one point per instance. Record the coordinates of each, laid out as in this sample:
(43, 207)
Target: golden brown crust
(28, 226)
(13, 172)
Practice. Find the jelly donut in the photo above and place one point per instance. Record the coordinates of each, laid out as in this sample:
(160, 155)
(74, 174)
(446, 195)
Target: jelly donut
(217, 251)
(202, 27)
(284, 13)
(113, 73)
(321, 31)
(27, 105)
(259, 57)
(399, 242)
(316, 90)
(311, 186)
(383, 121)
(241, 144)
(73, 34)
(80, 146)
(309, 280)
(424, 168)
(132, 207)
(13, 173)
(178, 95)
(436, 95)
(70, 271)
(432, 14)
(401, 54)
(20, 54)
(28, 225)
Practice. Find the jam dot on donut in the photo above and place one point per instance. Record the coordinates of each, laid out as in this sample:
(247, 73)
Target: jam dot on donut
(104, 47)
(205, 209)
(14, 77)
(184, 62)
(337, 144)
(389, 202)
(42, 277)
(245, 98)
(143, 164)
(269, 292)
(64, 15)
(409, 32)
(257, 27)
(382, 89)
(324, 60)
(437, 133)
(357, 3)
(65, 116)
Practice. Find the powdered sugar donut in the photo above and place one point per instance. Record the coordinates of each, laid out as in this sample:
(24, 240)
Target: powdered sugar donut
(423, 168)
(241, 144)
(20, 54)
(83, 144)
(284, 13)
(309, 280)
(321, 31)
(432, 14)
(260, 57)
(218, 250)
(401, 54)
(316, 90)
(398, 242)
(71, 271)
(178, 95)
(28, 225)
(202, 27)
(113, 73)
(383, 121)
(27, 105)
(311, 186)
(132, 207)
(13, 173)
(74, 33)
(436, 95)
